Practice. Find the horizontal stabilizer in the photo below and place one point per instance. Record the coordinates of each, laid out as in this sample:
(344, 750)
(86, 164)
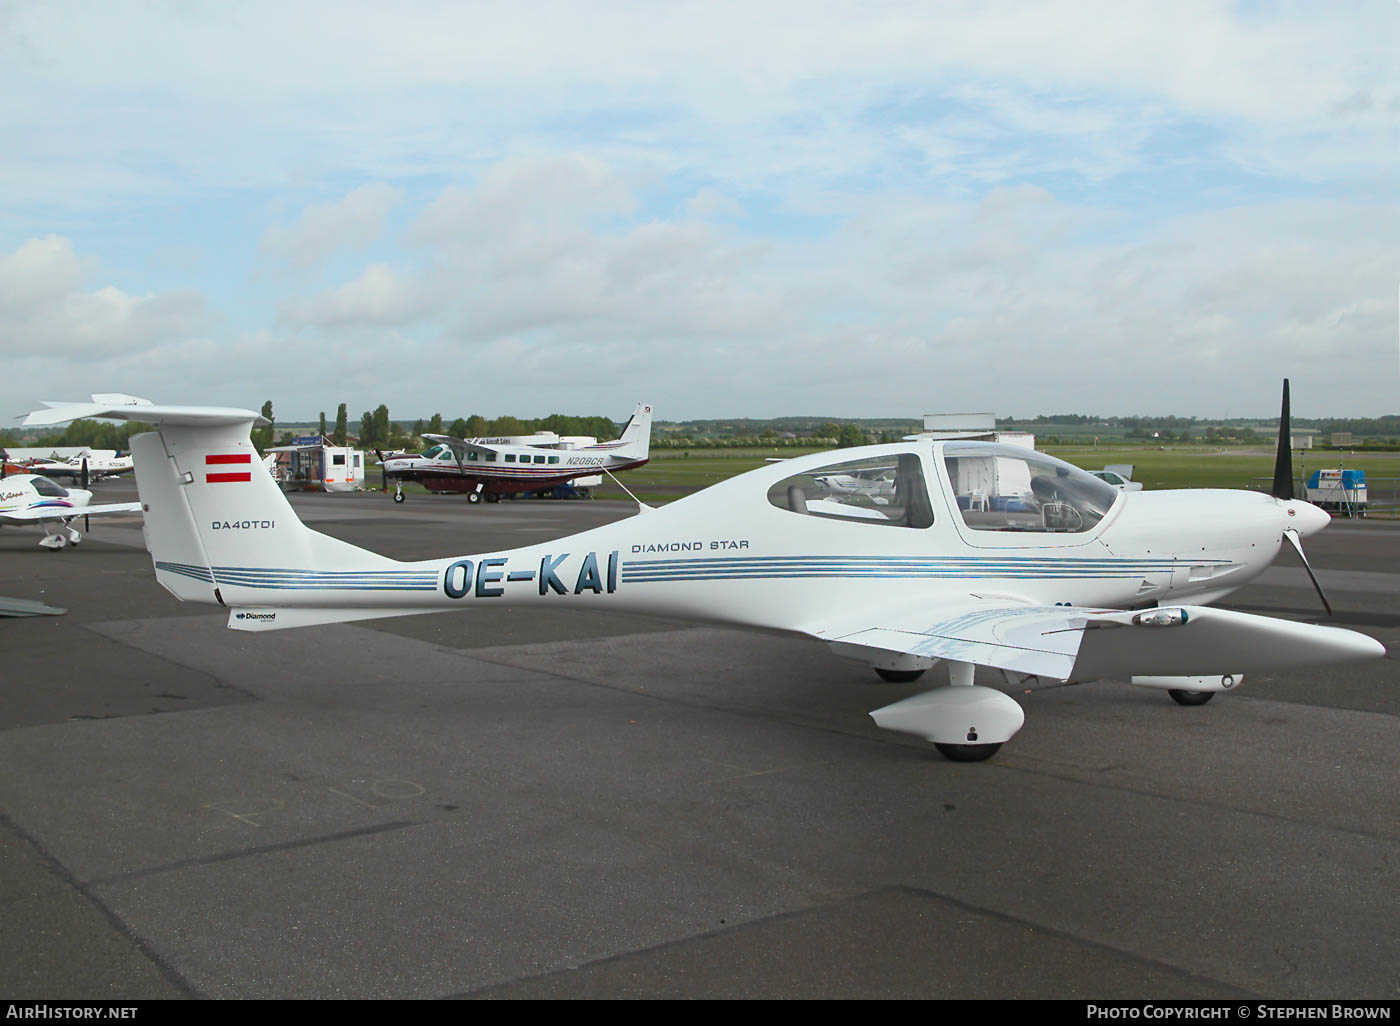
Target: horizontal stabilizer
(112, 406)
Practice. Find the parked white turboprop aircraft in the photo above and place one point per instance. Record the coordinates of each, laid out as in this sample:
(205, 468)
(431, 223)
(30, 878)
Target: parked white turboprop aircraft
(985, 555)
(491, 467)
(96, 464)
(35, 500)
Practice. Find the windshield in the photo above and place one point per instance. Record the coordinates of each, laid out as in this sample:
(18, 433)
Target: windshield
(44, 486)
(1006, 488)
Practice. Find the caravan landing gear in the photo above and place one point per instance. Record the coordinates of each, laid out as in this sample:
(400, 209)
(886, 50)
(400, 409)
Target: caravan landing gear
(473, 497)
(398, 493)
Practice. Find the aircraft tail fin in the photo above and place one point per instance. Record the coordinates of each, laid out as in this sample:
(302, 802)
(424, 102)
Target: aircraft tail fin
(635, 440)
(218, 526)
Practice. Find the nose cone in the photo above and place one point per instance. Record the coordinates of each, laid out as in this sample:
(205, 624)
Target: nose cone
(1304, 517)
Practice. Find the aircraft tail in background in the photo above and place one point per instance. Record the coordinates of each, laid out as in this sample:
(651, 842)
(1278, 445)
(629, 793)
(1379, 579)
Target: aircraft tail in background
(635, 441)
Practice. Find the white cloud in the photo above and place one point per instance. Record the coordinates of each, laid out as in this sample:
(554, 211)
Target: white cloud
(41, 271)
(247, 96)
(725, 206)
(1016, 299)
(379, 297)
(44, 307)
(354, 221)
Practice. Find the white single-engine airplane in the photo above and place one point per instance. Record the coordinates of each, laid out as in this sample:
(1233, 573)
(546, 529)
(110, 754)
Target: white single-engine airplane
(985, 555)
(32, 499)
(489, 468)
(97, 464)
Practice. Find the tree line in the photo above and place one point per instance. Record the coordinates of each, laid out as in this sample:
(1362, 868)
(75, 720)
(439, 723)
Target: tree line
(378, 431)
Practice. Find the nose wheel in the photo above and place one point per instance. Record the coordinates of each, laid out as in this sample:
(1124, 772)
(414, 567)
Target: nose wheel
(966, 753)
(1190, 697)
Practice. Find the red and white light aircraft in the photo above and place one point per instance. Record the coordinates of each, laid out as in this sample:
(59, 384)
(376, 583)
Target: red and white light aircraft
(983, 555)
(489, 468)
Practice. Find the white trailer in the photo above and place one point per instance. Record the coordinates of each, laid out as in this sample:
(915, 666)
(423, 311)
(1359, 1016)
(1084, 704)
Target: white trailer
(312, 464)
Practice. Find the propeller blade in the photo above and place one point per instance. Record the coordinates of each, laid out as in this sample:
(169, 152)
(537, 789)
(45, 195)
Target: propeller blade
(1283, 460)
(85, 473)
(1297, 543)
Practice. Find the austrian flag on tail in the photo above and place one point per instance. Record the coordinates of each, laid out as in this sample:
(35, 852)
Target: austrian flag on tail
(221, 477)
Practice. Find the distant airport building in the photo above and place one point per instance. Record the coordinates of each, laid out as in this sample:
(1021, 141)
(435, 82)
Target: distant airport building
(975, 427)
(1300, 438)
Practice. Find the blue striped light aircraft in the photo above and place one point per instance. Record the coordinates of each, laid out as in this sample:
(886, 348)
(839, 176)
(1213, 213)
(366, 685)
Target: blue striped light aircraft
(983, 555)
(35, 501)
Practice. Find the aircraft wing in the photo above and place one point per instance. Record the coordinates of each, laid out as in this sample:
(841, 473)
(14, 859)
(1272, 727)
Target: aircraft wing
(33, 514)
(1079, 644)
(460, 446)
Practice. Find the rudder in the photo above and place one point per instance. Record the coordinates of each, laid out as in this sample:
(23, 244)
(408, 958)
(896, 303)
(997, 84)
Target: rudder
(636, 435)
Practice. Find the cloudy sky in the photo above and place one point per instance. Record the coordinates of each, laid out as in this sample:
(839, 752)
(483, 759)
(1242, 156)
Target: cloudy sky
(727, 209)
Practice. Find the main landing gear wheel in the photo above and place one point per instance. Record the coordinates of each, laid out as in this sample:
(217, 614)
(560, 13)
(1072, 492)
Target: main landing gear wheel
(398, 496)
(493, 497)
(1190, 697)
(899, 676)
(967, 753)
(473, 497)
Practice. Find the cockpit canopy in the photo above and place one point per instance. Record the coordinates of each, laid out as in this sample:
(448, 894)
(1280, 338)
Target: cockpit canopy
(887, 490)
(994, 488)
(44, 486)
(1007, 488)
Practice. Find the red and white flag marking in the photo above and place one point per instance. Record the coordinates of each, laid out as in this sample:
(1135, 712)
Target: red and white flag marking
(221, 477)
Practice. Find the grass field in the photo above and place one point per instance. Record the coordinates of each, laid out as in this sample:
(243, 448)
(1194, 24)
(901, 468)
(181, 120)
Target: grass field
(672, 473)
